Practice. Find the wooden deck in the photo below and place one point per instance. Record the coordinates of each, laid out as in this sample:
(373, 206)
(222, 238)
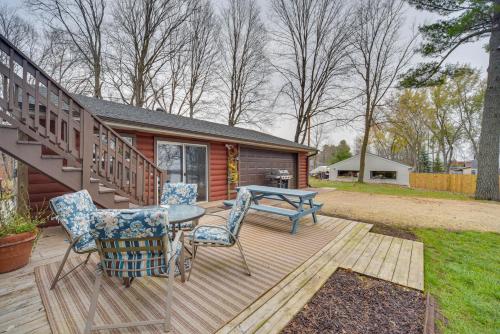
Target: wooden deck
(351, 246)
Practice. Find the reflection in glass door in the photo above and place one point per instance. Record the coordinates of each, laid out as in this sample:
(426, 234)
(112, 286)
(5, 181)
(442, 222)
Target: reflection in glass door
(184, 163)
(196, 168)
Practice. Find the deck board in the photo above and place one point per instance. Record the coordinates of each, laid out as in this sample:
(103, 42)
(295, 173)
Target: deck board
(353, 247)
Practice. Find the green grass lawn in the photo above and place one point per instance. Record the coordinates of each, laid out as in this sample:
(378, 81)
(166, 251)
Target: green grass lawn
(462, 271)
(387, 189)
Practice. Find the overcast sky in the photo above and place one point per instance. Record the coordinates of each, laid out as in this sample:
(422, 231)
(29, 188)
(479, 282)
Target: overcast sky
(472, 54)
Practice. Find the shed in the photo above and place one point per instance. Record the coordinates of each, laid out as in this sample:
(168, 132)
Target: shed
(377, 170)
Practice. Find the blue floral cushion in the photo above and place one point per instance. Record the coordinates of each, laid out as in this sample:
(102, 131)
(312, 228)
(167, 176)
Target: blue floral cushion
(128, 224)
(179, 193)
(239, 210)
(75, 211)
(134, 224)
(210, 234)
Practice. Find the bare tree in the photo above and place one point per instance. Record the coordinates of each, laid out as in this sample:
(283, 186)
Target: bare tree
(313, 43)
(244, 68)
(168, 84)
(17, 30)
(379, 58)
(142, 31)
(202, 55)
(82, 21)
(468, 91)
(62, 61)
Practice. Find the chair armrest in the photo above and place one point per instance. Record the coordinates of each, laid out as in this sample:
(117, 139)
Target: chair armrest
(212, 226)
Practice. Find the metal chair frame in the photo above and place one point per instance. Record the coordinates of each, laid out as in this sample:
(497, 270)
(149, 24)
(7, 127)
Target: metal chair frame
(235, 240)
(71, 246)
(103, 271)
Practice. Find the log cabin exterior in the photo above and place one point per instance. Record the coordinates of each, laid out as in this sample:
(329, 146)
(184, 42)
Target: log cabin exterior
(122, 154)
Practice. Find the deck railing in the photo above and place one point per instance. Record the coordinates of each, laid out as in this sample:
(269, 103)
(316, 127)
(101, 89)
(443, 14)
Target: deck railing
(45, 112)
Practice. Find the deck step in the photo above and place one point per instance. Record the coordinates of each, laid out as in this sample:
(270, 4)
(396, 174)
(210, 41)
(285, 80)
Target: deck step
(71, 169)
(50, 156)
(272, 311)
(105, 190)
(121, 199)
(28, 142)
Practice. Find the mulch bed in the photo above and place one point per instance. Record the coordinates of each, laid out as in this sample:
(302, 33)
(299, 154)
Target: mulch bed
(353, 303)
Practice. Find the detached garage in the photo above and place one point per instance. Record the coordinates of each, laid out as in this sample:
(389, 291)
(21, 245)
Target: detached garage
(377, 170)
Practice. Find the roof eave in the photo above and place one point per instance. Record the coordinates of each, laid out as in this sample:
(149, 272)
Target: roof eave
(131, 125)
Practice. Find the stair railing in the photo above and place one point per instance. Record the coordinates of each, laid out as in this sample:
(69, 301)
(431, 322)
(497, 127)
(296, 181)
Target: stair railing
(45, 112)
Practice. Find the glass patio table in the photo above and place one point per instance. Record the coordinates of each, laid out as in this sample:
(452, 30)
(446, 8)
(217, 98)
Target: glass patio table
(180, 213)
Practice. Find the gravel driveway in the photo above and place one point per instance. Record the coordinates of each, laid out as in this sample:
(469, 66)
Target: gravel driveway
(411, 211)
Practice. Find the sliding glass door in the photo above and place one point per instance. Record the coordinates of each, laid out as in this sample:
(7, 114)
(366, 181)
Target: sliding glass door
(184, 163)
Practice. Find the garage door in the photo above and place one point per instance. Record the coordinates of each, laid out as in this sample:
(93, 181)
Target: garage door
(255, 163)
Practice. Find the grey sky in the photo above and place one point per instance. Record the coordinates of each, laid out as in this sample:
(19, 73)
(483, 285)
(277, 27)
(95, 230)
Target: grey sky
(472, 54)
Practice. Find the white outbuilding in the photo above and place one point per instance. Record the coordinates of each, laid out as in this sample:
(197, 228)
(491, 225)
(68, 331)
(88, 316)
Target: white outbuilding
(377, 170)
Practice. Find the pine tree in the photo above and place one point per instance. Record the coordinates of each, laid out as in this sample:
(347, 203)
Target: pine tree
(437, 166)
(461, 22)
(424, 164)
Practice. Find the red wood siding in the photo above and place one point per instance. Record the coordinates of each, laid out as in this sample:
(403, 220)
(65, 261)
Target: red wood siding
(217, 180)
(42, 188)
(302, 170)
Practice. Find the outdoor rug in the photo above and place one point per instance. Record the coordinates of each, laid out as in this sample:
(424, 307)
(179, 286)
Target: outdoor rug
(218, 289)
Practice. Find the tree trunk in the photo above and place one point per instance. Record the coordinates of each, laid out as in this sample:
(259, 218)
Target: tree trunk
(487, 180)
(97, 81)
(362, 154)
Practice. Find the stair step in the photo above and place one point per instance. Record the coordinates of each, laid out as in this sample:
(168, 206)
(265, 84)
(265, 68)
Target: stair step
(120, 199)
(92, 180)
(104, 190)
(28, 142)
(47, 156)
(7, 126)
(71, 169)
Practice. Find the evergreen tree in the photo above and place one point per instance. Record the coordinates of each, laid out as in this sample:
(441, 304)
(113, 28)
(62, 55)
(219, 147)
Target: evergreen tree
(461, 22)
(437, 166)
(424, 164)
(342, 151)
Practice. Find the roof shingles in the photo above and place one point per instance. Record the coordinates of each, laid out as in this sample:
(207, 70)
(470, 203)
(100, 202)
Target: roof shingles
(122, 113)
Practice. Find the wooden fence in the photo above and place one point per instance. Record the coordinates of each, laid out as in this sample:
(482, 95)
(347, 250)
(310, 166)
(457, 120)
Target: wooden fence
(456, 183)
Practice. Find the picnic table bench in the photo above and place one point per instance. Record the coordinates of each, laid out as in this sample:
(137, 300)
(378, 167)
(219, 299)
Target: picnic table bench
(301, 201)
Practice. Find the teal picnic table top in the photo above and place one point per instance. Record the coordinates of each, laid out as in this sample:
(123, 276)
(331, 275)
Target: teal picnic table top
(281, 191)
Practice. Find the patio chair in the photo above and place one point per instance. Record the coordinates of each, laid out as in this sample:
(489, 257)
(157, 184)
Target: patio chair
(180, 193)
(135, 244)
(223, 236)
(74, 212)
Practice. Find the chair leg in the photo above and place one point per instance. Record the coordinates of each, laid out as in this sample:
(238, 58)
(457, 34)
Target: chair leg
(182, 265)
(61, 266)
(243, 257)
(93, 302)
(170, 293)
(87, 259)
(192, 261)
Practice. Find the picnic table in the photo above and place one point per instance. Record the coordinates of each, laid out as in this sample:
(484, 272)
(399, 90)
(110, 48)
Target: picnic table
(301, 202)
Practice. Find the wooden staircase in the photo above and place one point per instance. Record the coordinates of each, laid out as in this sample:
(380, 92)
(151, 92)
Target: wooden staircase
(43, 126)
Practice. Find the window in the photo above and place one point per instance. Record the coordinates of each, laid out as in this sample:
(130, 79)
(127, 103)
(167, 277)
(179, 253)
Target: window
(128, 138)
(383, 175)
(347, 173)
